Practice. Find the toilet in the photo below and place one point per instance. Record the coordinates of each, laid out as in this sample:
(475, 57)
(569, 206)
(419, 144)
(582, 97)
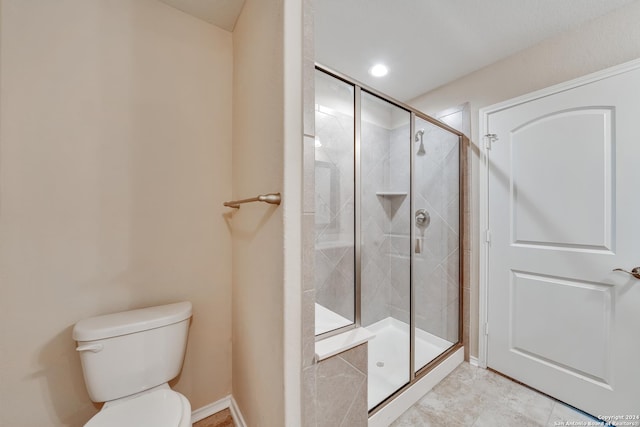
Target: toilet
(128, 358)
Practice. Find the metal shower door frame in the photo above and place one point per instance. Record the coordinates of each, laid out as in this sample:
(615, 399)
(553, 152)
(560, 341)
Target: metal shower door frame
(414, 113)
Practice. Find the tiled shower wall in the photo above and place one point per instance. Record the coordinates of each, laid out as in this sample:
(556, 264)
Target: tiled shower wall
(386, 222)
(439, 188)
(458, 118)
(342, 389)
(437, 247)
(386, 242)
(334, 207)
(385, 253)
(383, 288)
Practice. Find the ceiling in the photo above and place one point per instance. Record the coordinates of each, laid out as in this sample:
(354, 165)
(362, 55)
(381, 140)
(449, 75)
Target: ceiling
(428, 43)
(222, 13)
(425, 43)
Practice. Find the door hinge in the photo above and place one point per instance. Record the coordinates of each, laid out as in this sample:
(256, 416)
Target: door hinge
(487, 236)
(486, 329)
(489, 139)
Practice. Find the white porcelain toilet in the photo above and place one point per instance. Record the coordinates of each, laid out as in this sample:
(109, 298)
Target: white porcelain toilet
(127, 360)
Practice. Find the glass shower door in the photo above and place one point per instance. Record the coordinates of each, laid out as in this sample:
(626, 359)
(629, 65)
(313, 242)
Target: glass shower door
(436, 249)
(385, 243)
(334, 203)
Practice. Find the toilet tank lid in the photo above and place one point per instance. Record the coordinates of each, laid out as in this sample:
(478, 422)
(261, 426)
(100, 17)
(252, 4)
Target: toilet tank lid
(129, 322)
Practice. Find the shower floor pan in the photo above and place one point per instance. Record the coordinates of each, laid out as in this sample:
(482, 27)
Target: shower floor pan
(389, 356)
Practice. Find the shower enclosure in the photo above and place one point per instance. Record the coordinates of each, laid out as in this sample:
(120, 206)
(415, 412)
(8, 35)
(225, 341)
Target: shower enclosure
(388, 236)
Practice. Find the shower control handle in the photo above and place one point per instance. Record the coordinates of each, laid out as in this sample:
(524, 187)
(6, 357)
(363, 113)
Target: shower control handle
(423, 219)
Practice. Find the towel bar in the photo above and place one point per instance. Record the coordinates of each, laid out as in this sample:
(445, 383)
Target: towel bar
(271, 198)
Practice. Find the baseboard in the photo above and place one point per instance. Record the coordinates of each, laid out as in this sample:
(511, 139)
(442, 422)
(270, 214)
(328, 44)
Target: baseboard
(220, 405)
(236, 414)
(210, 409)
(473, 361)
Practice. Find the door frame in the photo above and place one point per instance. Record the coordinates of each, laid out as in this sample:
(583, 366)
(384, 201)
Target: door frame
(483, 196)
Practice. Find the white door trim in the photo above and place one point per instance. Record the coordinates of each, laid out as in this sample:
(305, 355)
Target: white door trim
(484, 113)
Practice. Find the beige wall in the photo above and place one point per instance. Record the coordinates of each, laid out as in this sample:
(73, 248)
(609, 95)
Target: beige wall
(257, 229)
(604, 42)
(115, 157)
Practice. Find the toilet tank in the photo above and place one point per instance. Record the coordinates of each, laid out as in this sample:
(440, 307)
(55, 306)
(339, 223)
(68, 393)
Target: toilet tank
(132, 351)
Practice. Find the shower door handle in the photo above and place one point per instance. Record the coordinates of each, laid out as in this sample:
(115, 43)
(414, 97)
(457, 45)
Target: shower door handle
(635, 272)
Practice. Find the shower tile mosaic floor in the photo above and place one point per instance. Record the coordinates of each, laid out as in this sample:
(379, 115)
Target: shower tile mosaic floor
(474, 397)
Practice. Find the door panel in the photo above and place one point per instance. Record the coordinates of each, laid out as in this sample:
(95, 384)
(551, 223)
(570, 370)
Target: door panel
(553, 207)
(575, 341)
(564, 212)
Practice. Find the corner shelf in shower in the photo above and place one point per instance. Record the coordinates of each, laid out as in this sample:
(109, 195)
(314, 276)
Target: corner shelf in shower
(391, 193)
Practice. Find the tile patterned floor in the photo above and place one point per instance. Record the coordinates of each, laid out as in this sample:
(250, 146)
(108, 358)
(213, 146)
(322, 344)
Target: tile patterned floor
(471, 397)
(474, 397)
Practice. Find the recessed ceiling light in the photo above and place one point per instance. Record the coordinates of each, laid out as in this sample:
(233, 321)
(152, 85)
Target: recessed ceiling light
(378, 70)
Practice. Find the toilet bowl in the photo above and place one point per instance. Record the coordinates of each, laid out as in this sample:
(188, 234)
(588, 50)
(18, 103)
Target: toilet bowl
(127, 360)
(158, 408)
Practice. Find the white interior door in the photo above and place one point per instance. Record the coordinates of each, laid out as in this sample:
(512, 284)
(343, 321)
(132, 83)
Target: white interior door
(564, 211)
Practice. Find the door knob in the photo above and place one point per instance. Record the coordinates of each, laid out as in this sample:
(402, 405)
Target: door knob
(635, 272)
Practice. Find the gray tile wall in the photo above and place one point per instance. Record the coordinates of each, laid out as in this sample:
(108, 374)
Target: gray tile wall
(459, 118)
(375, 242)
(436, 273)
(400, 225)
(334, 208)
(341, 387)
(386, 223)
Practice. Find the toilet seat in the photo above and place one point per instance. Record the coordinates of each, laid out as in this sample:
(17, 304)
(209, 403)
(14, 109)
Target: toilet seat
(159, 408)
